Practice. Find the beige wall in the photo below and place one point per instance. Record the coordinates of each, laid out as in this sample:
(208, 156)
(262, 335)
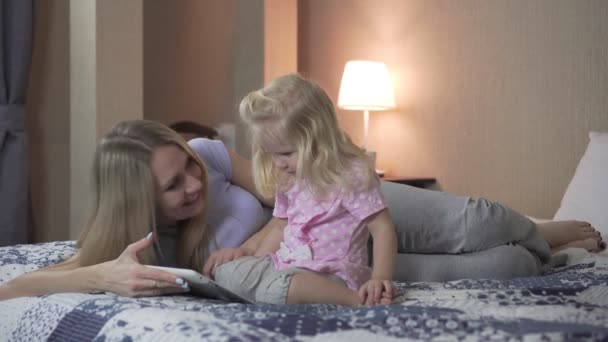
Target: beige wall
(187, 49)
(202, 57)
(495, 98)
(280, 38)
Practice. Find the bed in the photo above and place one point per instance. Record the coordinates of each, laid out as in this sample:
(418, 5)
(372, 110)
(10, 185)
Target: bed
(569, 302)
(565, 303)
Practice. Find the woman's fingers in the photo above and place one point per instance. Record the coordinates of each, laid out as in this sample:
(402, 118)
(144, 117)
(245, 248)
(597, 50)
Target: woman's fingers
(148, 273)
(147, 284)
(159, 291)
(157, 284)
(138, 246)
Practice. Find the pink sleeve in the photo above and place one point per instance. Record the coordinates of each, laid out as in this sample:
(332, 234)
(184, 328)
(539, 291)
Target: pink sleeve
(362, 203)
(280, 205)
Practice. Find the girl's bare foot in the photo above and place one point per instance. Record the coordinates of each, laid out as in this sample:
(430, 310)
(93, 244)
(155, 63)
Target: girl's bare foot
(559, 233)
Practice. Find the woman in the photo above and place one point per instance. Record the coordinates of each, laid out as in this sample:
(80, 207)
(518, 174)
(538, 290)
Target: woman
(147, 179)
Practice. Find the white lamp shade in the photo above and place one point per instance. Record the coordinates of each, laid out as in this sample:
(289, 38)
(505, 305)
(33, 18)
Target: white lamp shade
(366, 85)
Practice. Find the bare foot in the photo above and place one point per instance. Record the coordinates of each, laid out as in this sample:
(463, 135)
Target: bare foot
(559, 233)
(591, 245)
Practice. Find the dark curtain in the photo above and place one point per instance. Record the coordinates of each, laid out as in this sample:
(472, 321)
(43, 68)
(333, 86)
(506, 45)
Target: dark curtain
(16, 30)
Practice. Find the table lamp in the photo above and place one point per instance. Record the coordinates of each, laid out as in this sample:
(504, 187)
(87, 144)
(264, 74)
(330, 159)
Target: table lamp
(366, 85)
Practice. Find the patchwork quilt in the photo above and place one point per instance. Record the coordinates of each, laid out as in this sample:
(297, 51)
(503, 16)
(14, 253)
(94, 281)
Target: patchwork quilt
(567, 303)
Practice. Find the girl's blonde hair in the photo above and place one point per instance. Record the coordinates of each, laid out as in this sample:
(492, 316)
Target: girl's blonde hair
(300, 113)
(126, 197)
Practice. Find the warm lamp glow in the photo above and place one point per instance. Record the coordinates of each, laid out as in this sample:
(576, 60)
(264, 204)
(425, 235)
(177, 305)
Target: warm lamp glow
(366, 86)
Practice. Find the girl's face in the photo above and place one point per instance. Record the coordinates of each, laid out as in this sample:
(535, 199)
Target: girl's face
(179, 183)
(284, 156)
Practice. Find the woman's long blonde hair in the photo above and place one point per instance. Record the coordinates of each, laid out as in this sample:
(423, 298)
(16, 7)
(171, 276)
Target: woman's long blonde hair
(303, 115)
(126, 197)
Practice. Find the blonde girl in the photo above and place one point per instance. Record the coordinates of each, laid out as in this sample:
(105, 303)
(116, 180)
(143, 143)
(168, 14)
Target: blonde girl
(329, 195)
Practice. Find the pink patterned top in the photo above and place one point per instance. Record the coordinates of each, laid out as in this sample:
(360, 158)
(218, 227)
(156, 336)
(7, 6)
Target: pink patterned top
(328, 235)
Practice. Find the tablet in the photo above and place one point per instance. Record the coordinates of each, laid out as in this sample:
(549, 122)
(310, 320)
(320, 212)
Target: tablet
(204, 287)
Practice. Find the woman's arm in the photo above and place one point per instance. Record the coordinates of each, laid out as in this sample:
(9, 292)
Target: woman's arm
(63, 277)
(124, 276)
(243, 177)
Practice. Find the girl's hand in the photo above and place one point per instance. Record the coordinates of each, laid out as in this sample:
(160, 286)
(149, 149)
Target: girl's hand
(127, 277)
(376, 291)
(222, 256)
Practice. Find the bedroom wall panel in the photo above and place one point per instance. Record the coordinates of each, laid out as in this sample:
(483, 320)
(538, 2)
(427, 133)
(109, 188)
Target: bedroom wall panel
(48, 122)
(495, 98)
(280, 38)
(187, 49)
(86, 75)
(106, 87)
(202, 57)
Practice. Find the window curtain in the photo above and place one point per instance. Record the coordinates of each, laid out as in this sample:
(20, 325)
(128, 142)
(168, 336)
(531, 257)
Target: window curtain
(16, 30)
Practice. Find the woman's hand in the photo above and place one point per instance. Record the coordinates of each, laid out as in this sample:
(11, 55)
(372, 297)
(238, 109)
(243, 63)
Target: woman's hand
(376, 291)
(222, 256)
(8, 292)
(127, 277)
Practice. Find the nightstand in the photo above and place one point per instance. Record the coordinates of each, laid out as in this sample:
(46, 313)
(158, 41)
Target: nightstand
(412, 181)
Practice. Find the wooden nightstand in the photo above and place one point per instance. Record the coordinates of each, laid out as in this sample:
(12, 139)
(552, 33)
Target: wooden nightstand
(412, 181)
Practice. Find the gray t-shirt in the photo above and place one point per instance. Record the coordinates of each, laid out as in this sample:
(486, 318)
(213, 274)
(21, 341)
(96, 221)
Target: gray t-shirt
(233, 213)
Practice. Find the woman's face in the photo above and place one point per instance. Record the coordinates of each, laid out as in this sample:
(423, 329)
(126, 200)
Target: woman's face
(179, 184)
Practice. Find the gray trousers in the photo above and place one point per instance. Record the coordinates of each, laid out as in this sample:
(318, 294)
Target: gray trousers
(444, 237)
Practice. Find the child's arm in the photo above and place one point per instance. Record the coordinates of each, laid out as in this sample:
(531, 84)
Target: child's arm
(271, 242)
(248, 247)
(256, 240)
(379, 289)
